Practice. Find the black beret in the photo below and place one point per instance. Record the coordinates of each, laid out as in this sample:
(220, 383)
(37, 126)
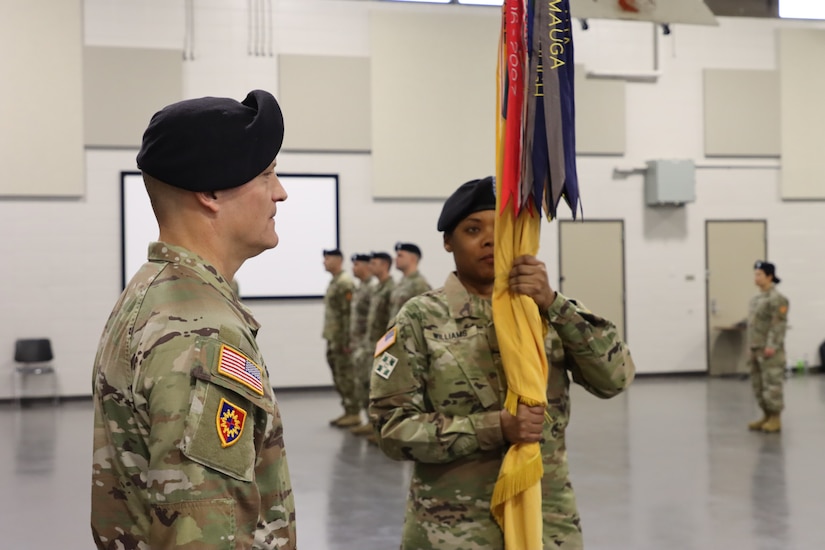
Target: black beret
(212, 143)
(408, 247)
(473, 196)
(768, 269)
(333, 252)
(361, 257)
(381, 256)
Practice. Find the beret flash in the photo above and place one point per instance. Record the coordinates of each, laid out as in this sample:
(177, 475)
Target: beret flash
(473, 196)
(361, 257)
(212, 143)
(333, 252)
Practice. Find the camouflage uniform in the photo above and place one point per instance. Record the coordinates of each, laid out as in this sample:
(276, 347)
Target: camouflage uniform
(411, 285)
(336, 332)
(360, 346)
(188, 442)
(436, 395)
(378, 317)
(767, 323)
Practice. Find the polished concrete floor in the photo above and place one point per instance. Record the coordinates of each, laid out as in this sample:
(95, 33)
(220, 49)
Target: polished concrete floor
(667, 466)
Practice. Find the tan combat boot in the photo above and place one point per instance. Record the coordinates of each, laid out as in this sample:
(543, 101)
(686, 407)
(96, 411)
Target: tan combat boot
(363, 429)
(335, 421)
(757, 424)
(348, 420)
(772, 424)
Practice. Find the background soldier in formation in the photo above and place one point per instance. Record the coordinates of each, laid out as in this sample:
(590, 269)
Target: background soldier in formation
(379, 314)
(188, 439)
(437, 389)
(767, 323)
(407, 256)
(359, 344)
(337, 334)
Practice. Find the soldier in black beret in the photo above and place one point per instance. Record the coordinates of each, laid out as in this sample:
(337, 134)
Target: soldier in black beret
(180, 383)
(437, 393)
(766, 327)
(407, 256)
(337, 318)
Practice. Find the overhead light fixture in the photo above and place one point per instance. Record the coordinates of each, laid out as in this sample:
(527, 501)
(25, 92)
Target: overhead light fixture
(801, 9)
(481, 2)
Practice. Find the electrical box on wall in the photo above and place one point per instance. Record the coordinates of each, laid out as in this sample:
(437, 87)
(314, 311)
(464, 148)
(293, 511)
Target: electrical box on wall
(670, 182)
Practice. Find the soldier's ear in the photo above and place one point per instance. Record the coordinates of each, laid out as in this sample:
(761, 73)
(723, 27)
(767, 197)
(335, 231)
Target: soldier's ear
(447, 243)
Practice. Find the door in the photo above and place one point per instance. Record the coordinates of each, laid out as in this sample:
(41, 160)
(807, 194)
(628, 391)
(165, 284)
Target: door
(732, 247)
(591, 267)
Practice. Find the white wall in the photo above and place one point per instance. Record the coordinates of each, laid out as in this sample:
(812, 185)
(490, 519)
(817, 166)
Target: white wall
(61, 258)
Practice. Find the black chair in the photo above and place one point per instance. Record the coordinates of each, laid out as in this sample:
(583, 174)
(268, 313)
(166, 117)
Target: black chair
(34, 356)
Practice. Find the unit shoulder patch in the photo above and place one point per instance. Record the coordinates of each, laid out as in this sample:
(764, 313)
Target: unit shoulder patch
(237, 366)
(385, 341)
(230, 421)
(386, 365)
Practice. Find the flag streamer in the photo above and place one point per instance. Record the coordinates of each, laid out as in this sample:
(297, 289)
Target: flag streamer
(535, 170)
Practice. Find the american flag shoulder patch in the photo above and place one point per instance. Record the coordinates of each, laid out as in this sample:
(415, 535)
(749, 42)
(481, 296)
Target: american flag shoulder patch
(237, 366)
(386, 341)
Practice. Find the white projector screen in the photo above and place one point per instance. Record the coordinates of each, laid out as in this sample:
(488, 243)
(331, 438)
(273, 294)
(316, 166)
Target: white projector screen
(307, 224)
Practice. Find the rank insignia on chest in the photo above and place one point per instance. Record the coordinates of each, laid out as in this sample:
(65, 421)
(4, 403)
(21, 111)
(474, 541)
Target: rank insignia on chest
(237, 366)
(230, 421)
(385, 366)
(386, 341)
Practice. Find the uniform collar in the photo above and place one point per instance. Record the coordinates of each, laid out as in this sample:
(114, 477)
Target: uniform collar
(463, 304)
(178, 255)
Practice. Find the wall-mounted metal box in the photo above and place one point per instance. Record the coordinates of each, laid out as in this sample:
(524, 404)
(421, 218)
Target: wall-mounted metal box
(670, 182)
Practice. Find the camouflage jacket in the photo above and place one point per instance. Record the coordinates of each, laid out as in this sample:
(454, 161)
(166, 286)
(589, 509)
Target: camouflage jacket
(411, 285)
(360, 313)
(337, 311)
(768, 320)
(188, 440)
(379, 314)
(437, 389)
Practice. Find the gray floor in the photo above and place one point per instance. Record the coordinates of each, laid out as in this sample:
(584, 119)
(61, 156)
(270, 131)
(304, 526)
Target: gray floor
(668, 466)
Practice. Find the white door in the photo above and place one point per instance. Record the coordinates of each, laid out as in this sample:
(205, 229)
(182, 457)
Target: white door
(732, 247)
(591, 267)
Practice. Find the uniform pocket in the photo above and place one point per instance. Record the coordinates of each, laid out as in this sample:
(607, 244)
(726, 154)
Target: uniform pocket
(200, 524)
(220, 431)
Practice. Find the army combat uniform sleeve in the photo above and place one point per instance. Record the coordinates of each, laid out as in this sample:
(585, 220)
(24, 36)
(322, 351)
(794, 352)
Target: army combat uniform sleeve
(595, 355)
(188, 442)
(778, 311)
(402, 408)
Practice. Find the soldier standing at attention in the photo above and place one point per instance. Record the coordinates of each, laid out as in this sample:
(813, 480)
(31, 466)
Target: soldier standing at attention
(379, 314)
(337, 334)
(360, 346)
(407, 256)
(438, 389)
(188, 440)
(767, 323)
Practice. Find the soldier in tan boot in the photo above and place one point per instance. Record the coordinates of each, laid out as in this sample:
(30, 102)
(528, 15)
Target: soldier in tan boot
(767, 323)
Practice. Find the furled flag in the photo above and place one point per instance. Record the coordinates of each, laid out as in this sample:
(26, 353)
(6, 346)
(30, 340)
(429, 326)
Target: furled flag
(535, 169)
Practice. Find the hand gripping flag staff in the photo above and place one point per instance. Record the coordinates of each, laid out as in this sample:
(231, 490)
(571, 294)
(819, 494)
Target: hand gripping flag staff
(535, 169)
